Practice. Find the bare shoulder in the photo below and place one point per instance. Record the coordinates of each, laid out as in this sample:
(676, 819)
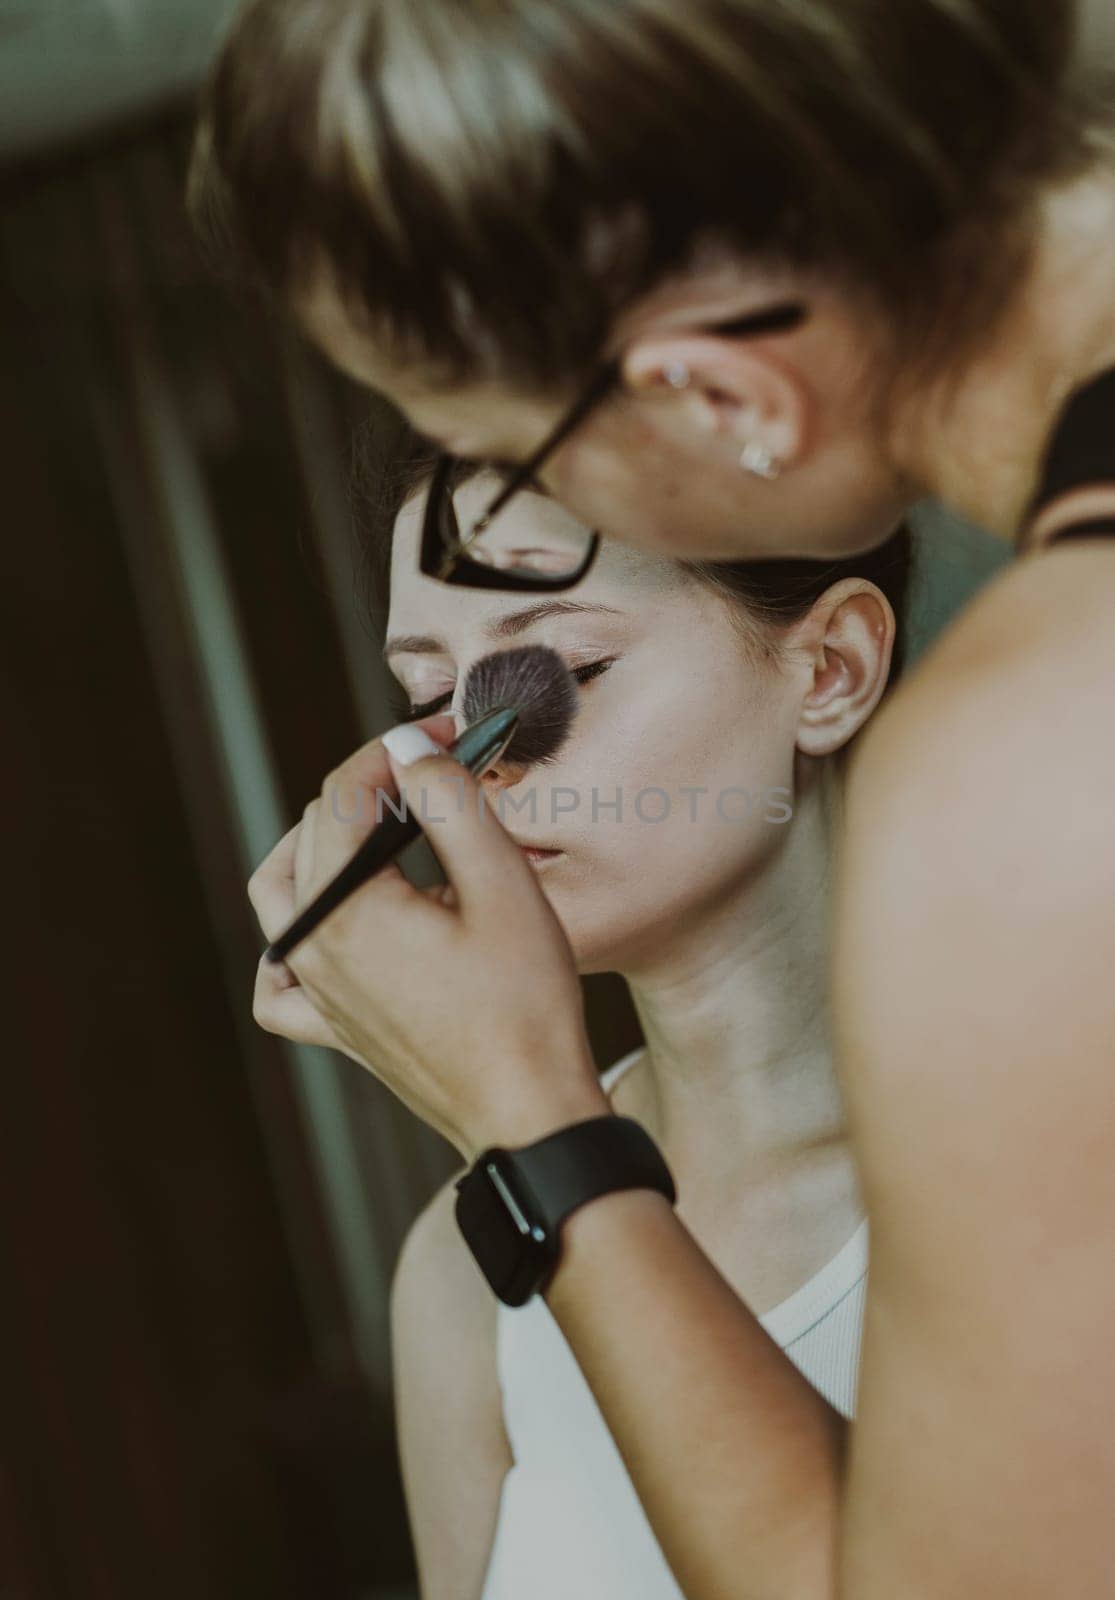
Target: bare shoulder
(974, 1001)
(452, 1442)
(1044, 628)
(974, 1007)
(437, 1276)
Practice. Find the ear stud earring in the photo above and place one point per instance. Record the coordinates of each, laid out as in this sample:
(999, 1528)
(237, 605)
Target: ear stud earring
(759, 461)
(677, 375)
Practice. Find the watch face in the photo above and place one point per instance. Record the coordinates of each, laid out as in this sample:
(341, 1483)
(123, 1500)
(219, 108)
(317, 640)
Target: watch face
(513, 1249)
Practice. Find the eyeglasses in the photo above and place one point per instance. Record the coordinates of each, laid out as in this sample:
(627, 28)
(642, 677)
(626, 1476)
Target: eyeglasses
(492, 555)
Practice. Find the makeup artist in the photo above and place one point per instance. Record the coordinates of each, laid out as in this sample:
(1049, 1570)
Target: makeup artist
(758, 275)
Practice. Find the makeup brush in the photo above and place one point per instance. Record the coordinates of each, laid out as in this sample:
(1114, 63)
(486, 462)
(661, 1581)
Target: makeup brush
(535, 682)
(520, 705)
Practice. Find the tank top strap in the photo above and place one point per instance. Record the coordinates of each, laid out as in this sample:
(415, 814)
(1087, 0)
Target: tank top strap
(611, 1076)
(1082, 449)
(816, 1299)
(1080, 455)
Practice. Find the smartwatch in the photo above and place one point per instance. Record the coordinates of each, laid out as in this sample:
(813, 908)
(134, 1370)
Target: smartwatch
(511, 1204)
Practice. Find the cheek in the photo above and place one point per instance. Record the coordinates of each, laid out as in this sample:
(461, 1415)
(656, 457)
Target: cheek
(673, 746)
(629, 490)
(713, 726)
(694, 757)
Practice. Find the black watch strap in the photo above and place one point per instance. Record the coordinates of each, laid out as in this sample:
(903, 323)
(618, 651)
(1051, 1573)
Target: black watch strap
(511, 1204)
(582, 1162)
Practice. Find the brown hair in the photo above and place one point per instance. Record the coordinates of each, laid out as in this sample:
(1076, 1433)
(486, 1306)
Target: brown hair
(485, 185)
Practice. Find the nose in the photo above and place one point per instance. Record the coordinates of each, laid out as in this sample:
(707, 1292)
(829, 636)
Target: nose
(503, 774)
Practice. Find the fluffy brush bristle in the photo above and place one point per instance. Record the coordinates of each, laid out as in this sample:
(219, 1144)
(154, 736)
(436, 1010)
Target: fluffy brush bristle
(534, 681)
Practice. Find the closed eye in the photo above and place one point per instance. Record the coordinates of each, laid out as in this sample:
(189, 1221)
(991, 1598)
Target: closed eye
(582, 675)
(430, 707)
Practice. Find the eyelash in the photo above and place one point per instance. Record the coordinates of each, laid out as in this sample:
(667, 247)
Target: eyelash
(583, 675)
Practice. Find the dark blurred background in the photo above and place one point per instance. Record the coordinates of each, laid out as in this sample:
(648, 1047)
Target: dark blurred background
(198, 1223)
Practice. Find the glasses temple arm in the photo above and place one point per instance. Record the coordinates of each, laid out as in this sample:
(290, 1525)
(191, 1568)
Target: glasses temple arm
(604, 382)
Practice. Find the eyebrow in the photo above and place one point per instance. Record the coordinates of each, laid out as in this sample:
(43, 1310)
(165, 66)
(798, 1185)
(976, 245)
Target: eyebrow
(508, 626)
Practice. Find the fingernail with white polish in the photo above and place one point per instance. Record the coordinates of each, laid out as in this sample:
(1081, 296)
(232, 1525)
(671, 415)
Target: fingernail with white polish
(408, 744)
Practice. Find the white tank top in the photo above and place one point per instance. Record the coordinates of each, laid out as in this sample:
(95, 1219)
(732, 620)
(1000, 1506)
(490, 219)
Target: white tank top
(570, 1523)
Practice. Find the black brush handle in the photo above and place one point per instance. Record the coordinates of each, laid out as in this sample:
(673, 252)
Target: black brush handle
(476, 749)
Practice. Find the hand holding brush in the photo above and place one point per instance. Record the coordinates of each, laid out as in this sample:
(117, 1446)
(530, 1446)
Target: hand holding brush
(409, 983)
(519, 706)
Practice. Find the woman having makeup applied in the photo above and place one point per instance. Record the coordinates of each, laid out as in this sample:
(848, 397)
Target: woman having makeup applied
(716, 703)
(684, 839)
(743, 278)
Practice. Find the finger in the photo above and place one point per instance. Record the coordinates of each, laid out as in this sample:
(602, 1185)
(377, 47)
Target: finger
(284, 1008)
(353, 803)
(441, 894)
(386, 908)
(352, 790)
(271, 886)
(479, 858)
(304, 853)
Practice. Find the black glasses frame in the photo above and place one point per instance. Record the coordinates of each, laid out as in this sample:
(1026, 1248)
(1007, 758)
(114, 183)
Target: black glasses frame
(444, 552)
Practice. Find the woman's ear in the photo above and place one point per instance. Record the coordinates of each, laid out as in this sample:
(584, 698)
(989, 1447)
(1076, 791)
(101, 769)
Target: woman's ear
(849, 639)
(739, 391)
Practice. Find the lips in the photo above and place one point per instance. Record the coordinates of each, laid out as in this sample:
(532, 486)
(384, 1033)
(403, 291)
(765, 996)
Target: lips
(538, 854)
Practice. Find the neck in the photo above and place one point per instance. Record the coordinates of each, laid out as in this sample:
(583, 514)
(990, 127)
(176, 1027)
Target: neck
(739, 1076)
(977, 439)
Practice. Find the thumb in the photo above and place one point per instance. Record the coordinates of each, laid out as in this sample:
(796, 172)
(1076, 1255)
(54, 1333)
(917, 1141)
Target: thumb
(367, 774)
(475, 851)
(441, 728)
